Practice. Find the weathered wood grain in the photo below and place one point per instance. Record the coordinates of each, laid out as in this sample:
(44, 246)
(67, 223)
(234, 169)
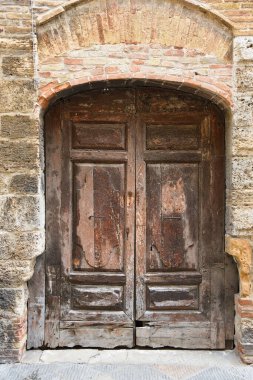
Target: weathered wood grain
(36, 306)
(181, 335)
(98, 136)
(172, 297)
(108, 337)
(173, 137)
(97, 297)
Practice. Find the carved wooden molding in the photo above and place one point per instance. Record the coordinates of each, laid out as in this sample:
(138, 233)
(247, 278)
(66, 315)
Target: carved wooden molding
(241, 250)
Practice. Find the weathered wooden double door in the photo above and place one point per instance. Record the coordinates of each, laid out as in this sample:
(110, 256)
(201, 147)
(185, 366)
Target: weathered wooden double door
(134, 212)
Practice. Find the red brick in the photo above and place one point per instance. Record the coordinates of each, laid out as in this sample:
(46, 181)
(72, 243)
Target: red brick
(61, 87)
(135, 68)
(112, 69)
(73, 61)
(138, 62)
(48, 86)
(46, 74)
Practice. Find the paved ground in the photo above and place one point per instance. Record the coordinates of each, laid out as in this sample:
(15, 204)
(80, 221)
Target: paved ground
(127, 365)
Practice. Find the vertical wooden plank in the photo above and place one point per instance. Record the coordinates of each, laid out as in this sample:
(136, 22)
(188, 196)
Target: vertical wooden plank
(205, 232)
(231, 288)
(154, 228)
(53, 306)
(217, 307)
(36, 305)
(173, 207)
(66, 213)
(216, 223)
(83, 250)
(108, 216)
(53, 224)
(130, 228)
(140, 220)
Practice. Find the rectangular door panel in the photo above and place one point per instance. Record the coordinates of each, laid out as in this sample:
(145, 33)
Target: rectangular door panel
(164, 297)
(172, 217)
(172, 137)
(187, 335)
(97, 297)
(99, 136)
(99, 220)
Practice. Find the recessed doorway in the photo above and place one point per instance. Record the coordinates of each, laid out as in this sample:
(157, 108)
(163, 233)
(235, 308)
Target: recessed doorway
(135, 221)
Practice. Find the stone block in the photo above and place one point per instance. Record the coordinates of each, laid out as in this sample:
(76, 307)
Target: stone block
(24, 183)
(18, 126)
(241, 144)
(17, 95)
(12, 302)
(12, 332)
(239, 221)
(7, 244)
(21, 245)
(16, 44)
(18, 66)
(247, 330)
(15, 273)
(242, 173)
(240, 198)
(244, 77)
(22, 213)
(4, 183)
(14, 2)
(29, 244)
(243, 114)
(243, 48)
(18, 155)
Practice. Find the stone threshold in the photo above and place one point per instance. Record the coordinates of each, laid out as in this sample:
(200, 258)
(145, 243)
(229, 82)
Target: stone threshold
(198, 358)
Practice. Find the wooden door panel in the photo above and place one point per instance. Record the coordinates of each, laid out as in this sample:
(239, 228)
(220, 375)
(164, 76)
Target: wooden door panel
(157, 101)
(164, 297)
(99, 136)
(188, 335)
(178, 195)
(159, 137)
(172, 217)
(97, 297)
(92, 303)
(99, 217)
(110, 336)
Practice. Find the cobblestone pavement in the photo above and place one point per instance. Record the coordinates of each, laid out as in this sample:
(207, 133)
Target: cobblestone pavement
(127, 365)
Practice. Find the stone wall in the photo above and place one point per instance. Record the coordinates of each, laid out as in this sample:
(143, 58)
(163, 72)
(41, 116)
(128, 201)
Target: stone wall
(21, 211)
(137, 39)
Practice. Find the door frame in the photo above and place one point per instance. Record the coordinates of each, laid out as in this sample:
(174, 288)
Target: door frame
(36, 309)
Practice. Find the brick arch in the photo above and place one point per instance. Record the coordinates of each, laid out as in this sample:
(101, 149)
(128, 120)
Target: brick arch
(82, 24)
(215, 92)
(45, 17)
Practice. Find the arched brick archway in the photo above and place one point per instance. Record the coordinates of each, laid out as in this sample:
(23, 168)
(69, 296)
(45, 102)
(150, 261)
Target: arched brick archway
(212, 90)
